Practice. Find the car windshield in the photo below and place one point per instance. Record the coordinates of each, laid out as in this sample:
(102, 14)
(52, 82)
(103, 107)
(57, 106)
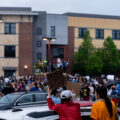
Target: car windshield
(10, 98)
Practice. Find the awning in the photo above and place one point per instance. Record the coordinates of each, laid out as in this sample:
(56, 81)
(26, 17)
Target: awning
(9, 68)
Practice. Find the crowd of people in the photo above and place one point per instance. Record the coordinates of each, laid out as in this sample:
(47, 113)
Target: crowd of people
(89, 84)
(21, 84)
(61, 100)
(99, 89)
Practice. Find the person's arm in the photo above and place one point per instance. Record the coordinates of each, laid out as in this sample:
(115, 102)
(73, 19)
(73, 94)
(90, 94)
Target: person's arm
(51, 104)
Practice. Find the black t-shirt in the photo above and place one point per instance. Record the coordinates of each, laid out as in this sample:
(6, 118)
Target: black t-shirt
(7, 90)
(85, 92)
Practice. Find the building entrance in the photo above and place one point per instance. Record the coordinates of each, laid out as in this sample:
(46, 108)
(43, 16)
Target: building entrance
(9, 73)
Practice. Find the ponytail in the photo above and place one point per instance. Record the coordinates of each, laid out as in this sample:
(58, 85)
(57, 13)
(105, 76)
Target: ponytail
(109, 106)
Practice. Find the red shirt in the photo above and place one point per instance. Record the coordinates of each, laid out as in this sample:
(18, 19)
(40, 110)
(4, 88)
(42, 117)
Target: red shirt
(66, 111)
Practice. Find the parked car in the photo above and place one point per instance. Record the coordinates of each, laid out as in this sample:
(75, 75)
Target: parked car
(32, 106)
(19, 99)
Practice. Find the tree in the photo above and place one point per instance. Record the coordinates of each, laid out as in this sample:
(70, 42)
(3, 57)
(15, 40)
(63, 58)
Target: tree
(81, 57)
(94, 65)
(111, 57)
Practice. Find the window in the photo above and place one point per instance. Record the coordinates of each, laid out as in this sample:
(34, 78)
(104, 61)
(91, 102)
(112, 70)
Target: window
(39, 31)
(39, 55)
(9, 51)
(25, 99)
(53, 31)
(39, 43)
(99, 33)
(82, 32)
(116, 34)
(10, 28)
(40, 97)
(58, 52)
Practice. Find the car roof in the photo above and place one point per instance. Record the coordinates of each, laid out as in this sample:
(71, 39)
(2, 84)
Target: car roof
(22, 93)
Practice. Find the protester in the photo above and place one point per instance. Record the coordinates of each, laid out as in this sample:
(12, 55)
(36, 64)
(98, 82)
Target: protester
(67, 110)
(104, 108)
(91, 91)
(56, 95)
(85, 92)
(8, 89)
(35, 87)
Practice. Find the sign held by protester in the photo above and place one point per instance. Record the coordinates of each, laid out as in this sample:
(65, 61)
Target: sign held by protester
(56, 79)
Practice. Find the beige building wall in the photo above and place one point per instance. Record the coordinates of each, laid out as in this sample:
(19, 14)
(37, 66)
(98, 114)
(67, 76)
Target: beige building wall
(17, 18)
(10, 39)
(92, 24)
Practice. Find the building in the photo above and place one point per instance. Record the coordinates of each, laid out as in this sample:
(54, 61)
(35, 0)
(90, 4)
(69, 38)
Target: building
(21, 44)
(51, 26)
(22, 31)
(16, 41)
(100, 27)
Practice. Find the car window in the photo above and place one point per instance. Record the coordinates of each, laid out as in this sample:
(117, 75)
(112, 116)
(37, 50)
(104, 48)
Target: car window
(40, 97)
(25, 99)
(10, 98)
(4, 100)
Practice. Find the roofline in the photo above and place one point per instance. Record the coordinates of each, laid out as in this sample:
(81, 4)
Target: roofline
(91, 15)
(18, 13)
(16, 9)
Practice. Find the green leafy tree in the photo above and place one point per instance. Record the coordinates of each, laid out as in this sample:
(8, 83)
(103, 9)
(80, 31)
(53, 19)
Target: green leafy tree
(94, 65)
(110, 56)
(81, 57)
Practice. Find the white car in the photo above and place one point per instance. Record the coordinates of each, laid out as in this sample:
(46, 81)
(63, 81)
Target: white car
(20, 109)
(34, 113)
(29, 113)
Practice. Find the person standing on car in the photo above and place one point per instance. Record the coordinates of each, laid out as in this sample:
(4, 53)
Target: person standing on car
(104, 108)
(67, 110)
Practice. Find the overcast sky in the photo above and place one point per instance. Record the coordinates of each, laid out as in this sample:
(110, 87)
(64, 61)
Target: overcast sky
(107, 7)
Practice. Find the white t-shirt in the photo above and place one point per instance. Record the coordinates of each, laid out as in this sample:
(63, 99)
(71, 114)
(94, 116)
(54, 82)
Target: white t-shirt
(109, 92)
(91, 90)
(6, 80)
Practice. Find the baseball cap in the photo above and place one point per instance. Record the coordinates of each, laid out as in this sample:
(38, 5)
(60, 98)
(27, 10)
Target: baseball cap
(66, 94)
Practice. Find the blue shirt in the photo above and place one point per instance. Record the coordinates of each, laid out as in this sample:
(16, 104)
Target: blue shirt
(34, 89)
(56, 100)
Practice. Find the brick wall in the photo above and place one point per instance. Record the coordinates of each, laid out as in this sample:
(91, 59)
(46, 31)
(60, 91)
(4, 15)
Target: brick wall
(25, 48)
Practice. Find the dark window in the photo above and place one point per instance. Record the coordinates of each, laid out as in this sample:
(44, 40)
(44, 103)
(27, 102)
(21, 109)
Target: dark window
(82, 32)
(40, 97)
(9, 51)
(116, 34)
(99, 34)
(39, 31)
(39, 55)
(58, 52)
(25, 99)
(10, 28)
(8, 73)
(52, 31)
(39, 43)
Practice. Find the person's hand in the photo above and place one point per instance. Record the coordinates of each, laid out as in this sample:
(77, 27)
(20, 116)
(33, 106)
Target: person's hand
(49, 91)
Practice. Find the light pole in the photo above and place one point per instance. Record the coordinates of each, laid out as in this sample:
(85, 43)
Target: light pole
(49, 56)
